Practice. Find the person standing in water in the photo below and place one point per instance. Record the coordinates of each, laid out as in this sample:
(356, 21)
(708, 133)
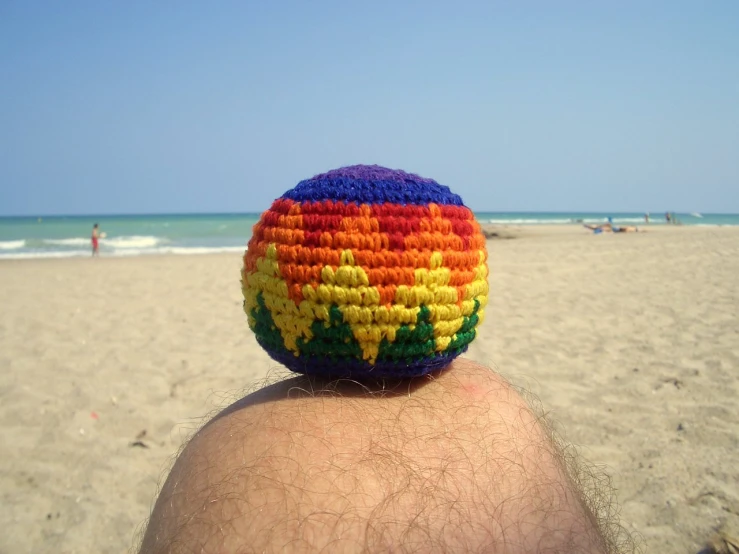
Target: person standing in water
(95, 240)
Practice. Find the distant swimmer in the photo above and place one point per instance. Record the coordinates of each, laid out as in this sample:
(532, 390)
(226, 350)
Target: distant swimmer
(96, 236)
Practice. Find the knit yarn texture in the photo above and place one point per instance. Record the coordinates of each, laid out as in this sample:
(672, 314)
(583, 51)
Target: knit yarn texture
(366, 272)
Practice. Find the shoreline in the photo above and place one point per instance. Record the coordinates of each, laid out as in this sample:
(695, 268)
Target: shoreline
(528, 231)
(492, 231)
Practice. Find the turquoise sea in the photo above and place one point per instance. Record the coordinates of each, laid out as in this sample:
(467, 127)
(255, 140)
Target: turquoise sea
(135, 235)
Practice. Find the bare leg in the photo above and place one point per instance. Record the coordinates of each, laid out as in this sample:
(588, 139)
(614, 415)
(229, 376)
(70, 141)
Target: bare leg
(451, 463)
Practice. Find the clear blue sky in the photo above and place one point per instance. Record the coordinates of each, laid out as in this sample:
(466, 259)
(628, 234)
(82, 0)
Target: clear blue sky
(140, 107)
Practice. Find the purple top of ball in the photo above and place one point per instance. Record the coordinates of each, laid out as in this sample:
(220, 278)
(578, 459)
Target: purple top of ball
(373, 173)
(372, 184)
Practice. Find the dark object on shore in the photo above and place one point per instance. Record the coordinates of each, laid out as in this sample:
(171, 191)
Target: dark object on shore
(494, 233)
(139, 440)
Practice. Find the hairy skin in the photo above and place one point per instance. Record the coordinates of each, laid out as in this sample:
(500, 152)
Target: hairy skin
(454, 462)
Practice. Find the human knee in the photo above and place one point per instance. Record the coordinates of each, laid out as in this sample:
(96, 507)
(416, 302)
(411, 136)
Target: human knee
(452, 462)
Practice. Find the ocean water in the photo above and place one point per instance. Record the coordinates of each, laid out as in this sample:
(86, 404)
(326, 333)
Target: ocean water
(136, 235)
(126, 235)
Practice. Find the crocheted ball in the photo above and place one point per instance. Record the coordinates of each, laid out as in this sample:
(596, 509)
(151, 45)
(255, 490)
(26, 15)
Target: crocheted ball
(366, 272)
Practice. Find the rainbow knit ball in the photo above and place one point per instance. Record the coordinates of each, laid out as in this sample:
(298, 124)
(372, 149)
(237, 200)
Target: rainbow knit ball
(366, 272)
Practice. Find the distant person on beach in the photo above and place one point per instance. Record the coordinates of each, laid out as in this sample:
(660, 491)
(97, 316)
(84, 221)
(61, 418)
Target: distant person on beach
(668, 217)
(611, 228)
(646, 217)
(457, 462)
(95, 240)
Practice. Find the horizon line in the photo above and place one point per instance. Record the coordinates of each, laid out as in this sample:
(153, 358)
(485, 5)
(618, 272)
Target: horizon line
(258, 213)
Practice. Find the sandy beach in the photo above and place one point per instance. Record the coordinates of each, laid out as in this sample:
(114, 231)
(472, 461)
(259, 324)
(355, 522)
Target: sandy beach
(631, 341)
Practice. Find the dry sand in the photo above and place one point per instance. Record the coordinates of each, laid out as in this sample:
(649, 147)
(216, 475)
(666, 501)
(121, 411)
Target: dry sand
(631, 342)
